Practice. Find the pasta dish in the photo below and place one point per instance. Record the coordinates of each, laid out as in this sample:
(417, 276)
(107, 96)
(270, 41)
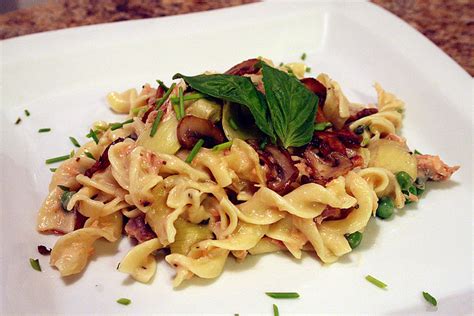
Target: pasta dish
(255, 160)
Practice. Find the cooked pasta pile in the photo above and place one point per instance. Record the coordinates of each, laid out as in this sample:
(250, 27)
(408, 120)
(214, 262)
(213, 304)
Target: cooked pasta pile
(197, 172)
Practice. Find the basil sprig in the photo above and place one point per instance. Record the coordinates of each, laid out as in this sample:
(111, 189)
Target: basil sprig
(292, 107)
(286, 112)
(235, 89)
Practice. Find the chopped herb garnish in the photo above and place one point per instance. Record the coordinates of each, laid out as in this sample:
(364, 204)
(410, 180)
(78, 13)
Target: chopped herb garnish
(160, 102)
(188, 97)
(303, 57)
(156, 122)
(18, 120)
(263, 144)
(275, 310)
(429, 298)
(65, 198)
(417, 153)
(57, 159)
(135, 111)
(375, 282)
(27, 113)
(281, 64)
(195, 150)
(115, 126)
(308, 69)
(74, 141)
(53, 169)
(233, 124)
(181, 103)
(283, 294)
(35, 264)
(124, 301)
(63, 187)
(71, 154)
(88, 154)
(222, 146)
(92, 134)
(162, 85)
(44, 130)
(319, 127)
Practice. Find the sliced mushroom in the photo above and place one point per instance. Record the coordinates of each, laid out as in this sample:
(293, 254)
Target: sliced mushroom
(248, 66)
(192, 128)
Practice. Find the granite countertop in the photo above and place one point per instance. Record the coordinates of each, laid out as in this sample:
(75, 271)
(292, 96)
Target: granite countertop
(449, 24)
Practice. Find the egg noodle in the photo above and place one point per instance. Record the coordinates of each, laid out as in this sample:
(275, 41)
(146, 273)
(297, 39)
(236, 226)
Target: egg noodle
(205, 205)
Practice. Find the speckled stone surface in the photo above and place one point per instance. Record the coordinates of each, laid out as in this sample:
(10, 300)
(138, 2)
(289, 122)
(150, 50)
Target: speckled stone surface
(448, 23)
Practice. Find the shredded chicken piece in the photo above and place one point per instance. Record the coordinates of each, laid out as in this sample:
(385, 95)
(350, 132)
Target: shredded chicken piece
(433, 168)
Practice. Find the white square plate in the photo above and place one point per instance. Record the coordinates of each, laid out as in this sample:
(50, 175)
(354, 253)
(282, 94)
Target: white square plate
(63, 76)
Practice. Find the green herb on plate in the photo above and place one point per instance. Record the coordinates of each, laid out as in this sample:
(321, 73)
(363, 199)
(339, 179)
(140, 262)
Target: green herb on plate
(282, 294)
(74, 141)
(375, 282)
(124, 301)
(44, 130)
(430, 299)
(35, 264)
(57, 159)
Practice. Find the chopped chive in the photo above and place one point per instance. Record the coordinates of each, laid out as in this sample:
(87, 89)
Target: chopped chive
(74, 141)
(319, 127)
(222, 146)
(308, 69)
(114, 126)
(303, 57)
(417, 152)
(92, 134)
(18, 120)
(35, 264)
(27, 113)
(281, 64)
(127, 121)
(275, 310)
(283, 294)
(135, 111)
(195, 150)
(233, 124)
(44, 130)
(176, 110)
(181, 103)
(53, 169)
(124, 301)
(156, 122)
(88, 154)
(188, 97)
(63, 187)
(65, 198)
(375, 282)
(71, 154)
(430, 299)
(162, 85)
(160, 102)
(57, 159)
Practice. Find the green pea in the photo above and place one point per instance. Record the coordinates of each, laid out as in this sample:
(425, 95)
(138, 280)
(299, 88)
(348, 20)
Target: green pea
(354, 239)
(412, 189)
(404, 180)
(385, 208)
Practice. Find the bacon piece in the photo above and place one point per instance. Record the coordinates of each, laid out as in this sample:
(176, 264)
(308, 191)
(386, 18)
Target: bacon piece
(160, 92)
(138, 229)
(332, 214)
(362, 113)
(433, 168)
(246, 67)
(317, 88)
(103, 161)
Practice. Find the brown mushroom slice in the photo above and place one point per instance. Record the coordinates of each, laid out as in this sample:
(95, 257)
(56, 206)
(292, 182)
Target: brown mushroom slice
(192, 128)
(281, 169)
(246, 67)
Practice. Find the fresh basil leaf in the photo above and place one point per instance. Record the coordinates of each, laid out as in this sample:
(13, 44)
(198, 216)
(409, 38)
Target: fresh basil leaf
(291, 105)
(235, 89)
